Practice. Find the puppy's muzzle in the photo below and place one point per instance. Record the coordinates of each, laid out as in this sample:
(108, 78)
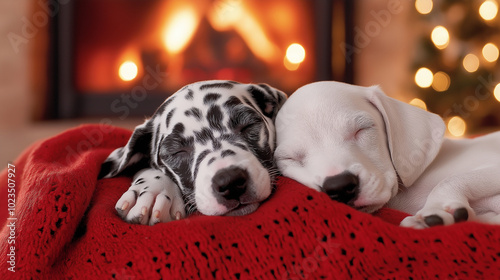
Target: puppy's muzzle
(343, 187)
(230, 183)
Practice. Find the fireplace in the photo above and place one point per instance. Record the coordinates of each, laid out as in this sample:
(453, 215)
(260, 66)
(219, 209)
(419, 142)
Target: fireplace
(122, 58)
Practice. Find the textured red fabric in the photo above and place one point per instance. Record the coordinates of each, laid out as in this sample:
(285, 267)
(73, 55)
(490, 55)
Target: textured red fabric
(67, 228)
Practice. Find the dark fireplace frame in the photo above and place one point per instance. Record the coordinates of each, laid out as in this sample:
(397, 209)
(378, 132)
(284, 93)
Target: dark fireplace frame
(64, 101)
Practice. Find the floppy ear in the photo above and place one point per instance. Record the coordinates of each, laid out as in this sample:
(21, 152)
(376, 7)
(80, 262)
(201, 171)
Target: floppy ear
(268, 99)
(132, 157)
(414, 135)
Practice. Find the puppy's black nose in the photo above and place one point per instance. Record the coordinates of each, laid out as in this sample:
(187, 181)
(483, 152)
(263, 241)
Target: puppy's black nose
(230, 183)
(342, 187)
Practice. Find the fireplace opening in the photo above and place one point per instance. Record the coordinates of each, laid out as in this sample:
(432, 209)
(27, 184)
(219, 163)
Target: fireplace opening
(108, 56)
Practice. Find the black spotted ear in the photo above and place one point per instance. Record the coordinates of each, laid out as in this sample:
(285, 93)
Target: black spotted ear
(268, 99)
(132, 157)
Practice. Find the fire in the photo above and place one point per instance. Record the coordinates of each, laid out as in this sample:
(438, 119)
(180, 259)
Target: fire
(179, 30)
(234, 16)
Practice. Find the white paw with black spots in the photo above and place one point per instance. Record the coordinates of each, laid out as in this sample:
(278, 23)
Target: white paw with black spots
(448, 214)
(152, 198)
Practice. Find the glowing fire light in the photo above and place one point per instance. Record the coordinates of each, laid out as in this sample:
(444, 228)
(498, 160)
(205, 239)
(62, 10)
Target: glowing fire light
(246, 25)
(295, 53)
(128, 71)
(179, 30)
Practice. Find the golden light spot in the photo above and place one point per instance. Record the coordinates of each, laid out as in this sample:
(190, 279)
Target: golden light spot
(471, 63)
(440, 37)
(128, 71)
(424, 6)
(295, 53)
(457, 126)
(490, 52)
(423, 77)
(418, 103)
(441, 81)
(488, 10)
(496, 92)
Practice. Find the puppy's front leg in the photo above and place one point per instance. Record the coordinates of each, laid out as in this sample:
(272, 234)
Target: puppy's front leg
(152, 198)
(449, 202)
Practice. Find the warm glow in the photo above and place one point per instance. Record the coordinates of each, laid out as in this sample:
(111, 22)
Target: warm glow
(295, 53)
(471, 63)
(224, 16)
(289, 65)
(424, 6)
(423, 77)
(490, 52)
(418, 103)
(488, 10)
(440, 37)
(441, 81)
(179, 30)
(457, 126)
(234, 16)
(128, 71)
(496, 92)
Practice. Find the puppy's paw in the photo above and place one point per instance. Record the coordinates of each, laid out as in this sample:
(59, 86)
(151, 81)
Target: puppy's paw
(448, 214)
(152, 198)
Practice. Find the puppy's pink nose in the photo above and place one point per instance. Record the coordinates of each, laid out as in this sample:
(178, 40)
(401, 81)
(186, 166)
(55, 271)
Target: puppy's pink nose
(342, 187)
(230, 183)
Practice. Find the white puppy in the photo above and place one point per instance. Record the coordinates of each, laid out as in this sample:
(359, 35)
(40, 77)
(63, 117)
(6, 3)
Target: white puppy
(368, 150)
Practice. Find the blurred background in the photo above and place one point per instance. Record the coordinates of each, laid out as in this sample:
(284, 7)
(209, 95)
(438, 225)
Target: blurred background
(70, 62)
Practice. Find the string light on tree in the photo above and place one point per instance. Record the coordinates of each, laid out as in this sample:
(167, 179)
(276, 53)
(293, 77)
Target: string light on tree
(424, 77)
(471, 63)
(488, 10)
(440, 37)
(496, 92)
(441, 81)
(490, 52)
(457, 126)
(417, 102)
(424, 6)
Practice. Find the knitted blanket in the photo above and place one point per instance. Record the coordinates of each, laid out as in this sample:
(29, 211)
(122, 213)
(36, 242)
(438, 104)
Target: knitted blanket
(63, 225)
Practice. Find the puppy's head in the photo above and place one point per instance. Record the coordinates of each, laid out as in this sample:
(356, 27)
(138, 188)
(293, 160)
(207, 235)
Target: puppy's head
(215, 139)
(354, 143)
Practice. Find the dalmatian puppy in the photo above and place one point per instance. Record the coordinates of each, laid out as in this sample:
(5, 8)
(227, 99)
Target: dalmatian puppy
(368, 150)
(213, 140)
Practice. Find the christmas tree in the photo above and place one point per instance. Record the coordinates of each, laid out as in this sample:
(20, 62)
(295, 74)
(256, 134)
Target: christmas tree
(457, 73)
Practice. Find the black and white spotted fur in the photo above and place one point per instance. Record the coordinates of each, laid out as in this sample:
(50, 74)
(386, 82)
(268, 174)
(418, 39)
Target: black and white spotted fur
(212, 139)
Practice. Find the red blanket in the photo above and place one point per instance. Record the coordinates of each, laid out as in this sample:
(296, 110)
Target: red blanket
(63, 224)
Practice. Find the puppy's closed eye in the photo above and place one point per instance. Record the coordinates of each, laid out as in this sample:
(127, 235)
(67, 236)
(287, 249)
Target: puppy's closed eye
(296, 158)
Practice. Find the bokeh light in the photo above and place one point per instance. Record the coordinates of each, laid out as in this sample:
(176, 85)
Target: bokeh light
(424, 6)
(440, 37)
(423, 77)
(496, 92)
(488, 10)
(457, 126)
(471, 63)
(441, 81)
(418, 103)
(128, 71)
(490, 52)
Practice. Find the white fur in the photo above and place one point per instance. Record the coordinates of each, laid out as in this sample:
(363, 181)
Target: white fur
(326, 128)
